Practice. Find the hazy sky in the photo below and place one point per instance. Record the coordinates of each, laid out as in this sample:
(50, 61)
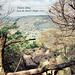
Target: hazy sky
(29, 7)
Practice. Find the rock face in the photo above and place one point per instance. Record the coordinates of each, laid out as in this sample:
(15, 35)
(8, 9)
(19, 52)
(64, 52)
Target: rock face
(37, 57)
(41, 57)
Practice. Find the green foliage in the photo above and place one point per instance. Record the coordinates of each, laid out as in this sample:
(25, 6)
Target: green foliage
(71, 52)
(72, 58)
(72, 47)
(18, 32)
(6, 28)
(12, 56)
(13, 52)
(28, 45)
(33, 45)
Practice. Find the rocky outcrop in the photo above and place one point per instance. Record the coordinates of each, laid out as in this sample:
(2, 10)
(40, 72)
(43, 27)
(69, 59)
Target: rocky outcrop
(37, 57)
(41, 57)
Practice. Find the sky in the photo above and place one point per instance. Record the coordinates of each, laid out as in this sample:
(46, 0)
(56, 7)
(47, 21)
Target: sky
(28, 7)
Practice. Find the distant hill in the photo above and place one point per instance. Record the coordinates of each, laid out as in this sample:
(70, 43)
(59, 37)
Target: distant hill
(32, 24)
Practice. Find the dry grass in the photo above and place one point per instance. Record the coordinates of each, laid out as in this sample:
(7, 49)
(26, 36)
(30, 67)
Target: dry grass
(58, 41)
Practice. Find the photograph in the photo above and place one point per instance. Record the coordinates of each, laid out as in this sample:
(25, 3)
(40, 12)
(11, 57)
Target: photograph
(37, 37)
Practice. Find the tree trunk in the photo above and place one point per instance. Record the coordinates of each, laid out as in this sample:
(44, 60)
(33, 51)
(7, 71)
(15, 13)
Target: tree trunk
(2, 45)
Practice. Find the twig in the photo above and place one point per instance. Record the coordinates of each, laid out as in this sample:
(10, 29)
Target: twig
(18, 65)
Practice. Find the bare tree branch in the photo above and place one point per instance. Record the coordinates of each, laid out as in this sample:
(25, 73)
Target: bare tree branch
(72, 6)
(63, 15)
(44, 69)
(62, 3)
(57, 22)
(16, 41)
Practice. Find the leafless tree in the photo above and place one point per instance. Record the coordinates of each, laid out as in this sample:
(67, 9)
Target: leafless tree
(63, 13)
(4, 13)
